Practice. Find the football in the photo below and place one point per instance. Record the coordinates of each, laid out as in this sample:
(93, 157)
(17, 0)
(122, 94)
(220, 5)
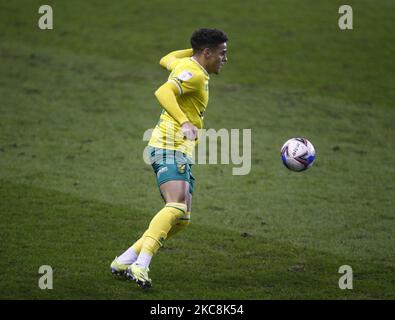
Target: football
(298, 154)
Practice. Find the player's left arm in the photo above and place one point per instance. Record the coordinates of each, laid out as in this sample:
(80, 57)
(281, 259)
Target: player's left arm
(171, 60)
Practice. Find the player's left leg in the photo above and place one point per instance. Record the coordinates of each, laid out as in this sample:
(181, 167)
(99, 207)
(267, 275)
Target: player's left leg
(121, 263)
(132, 253)
(175, 193)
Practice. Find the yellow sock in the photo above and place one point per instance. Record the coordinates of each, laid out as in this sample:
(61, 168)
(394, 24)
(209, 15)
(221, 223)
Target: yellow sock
(181, 224)
(139, 243)
(160, 226)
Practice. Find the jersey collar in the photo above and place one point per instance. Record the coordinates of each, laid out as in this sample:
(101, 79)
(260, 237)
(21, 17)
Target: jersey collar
(205, 71)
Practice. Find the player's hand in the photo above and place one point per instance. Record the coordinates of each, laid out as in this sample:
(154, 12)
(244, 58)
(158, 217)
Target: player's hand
(189, 131)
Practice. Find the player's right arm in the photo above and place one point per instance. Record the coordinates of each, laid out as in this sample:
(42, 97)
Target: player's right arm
(170, 60)
(166, 95)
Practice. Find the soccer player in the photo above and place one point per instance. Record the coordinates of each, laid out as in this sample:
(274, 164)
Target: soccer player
(184, 99)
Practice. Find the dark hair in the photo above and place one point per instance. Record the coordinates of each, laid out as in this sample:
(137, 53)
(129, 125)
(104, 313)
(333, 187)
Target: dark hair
(207, 38)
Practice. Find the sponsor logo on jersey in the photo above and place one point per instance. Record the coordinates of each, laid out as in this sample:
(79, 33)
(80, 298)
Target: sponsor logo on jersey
(185, 76)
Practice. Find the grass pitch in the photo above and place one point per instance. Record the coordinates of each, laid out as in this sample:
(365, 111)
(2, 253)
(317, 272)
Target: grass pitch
(75, 192)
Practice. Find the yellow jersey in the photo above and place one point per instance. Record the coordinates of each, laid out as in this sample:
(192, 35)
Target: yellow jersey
(192, 80)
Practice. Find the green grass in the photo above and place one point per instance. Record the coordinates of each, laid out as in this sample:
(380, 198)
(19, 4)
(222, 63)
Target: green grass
(75, 192)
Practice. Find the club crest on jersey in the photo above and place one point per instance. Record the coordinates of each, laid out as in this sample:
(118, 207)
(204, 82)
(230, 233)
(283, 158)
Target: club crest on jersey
(181, 168)
(184, 76)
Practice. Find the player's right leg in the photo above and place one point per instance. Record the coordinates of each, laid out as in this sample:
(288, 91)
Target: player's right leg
(183, 221)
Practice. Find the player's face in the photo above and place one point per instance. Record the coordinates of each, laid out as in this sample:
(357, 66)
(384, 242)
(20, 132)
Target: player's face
(217, 58)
